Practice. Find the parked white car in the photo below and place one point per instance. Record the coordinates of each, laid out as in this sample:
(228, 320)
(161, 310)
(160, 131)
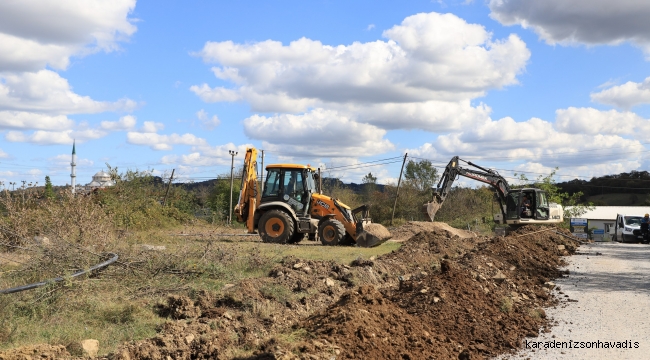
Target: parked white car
(628, 228)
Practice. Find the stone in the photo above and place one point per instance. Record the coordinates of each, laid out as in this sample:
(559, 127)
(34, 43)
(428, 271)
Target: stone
(189, 338)
(227, 315)
(436, 299)
(153, 247)
(499, 277)
(424, 291)
(306, 269)
(560, 247)
(549, 285)
(90, 347)
(298, 265)
(228, 286)
(42, 240)
(512, 268)
(329, 282)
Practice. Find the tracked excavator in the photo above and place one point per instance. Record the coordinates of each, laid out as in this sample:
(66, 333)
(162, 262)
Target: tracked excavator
(291, 206)
(518, 206)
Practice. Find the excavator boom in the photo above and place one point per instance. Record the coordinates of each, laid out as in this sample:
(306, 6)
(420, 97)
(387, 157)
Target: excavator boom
(248, 196)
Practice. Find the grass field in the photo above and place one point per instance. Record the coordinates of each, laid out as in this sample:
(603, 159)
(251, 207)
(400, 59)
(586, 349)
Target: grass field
(118, 304)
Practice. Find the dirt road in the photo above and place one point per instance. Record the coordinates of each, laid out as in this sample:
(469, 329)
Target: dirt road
(606, 298)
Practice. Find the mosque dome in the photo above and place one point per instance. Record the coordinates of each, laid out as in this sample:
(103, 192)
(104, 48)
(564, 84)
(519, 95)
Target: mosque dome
(101, 179)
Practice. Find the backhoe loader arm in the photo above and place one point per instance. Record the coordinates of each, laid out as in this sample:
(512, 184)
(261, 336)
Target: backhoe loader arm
(451, 173)
(248, 196)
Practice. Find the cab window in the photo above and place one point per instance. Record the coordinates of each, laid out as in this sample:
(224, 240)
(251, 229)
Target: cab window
(542, 202)
(293, 184)
(272, 184)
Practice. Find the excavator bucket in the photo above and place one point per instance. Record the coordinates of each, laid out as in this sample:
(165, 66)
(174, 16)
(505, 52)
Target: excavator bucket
(431, 208)
(372, 235)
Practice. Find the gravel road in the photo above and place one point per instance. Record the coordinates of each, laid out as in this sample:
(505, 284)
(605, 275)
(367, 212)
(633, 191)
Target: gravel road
(611, 283)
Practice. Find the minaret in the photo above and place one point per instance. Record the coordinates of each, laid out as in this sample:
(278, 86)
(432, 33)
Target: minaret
(73, 164)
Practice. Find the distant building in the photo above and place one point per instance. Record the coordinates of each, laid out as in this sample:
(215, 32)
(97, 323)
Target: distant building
(101, 180)
(604, 217)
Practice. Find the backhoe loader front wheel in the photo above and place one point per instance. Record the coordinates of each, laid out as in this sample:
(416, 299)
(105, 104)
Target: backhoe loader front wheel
(276, 226)
(331, 232)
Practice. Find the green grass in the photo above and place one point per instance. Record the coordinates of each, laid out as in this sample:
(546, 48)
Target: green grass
(118, 305)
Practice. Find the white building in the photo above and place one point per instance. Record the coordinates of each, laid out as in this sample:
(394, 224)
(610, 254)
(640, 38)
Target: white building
(604, 217)
(100, 180)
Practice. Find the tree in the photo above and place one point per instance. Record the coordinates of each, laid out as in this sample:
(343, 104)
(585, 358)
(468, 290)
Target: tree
(49, 192)
(369, 186)
(422, 174)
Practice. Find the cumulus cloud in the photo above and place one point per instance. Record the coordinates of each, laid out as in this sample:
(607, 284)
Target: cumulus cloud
(625, 96)
(339, 100)
(162, 142)
(593, 121)
(152, 127)
(534, 140)
(206, 155)
(47, 92)
(35, 33)
(428, 57)
(319, 132)
(37, 37)
(124, 123)
(590, 22)
(17, 120)
(208, 122)
(63, 160)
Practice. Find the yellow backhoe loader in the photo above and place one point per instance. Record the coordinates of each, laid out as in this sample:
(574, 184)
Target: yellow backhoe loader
(291, 206)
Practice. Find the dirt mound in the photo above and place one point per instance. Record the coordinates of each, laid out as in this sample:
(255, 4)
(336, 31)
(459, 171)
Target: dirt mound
(439, 295)
(478, 301)
(406, 231)
(40, 352)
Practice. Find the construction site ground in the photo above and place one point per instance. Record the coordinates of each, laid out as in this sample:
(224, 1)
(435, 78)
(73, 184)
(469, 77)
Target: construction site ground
(433, 293)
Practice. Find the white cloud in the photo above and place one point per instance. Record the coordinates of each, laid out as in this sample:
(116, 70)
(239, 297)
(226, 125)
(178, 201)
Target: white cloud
(25, 120)
(625, 96)
(590, 22)
(319, 132)
(217, 94)
(124, 123)
(3, 155)
(65, 137)
(37, 33)
(64, 160)
(208, 122)
(429, 57)
(206, 155)
(534, 140)
(370, 27)
(162, 142)
(593, 121)
(152, 127)
(47, 92)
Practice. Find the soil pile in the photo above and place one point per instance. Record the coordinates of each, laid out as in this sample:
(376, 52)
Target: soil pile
(477, 305)
(411, 228)
(41, 352)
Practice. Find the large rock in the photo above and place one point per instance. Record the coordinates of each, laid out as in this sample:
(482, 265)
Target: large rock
(90, 347)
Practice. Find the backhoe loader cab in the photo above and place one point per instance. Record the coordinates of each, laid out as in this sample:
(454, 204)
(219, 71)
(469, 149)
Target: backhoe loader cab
(290, 206)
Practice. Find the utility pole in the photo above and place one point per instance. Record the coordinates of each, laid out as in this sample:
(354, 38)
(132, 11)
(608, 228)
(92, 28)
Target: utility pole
(262, 174)
(168, 185)
(232, 168)
(397, 193)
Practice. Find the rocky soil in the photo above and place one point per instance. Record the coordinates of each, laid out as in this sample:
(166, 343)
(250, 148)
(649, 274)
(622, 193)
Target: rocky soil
(445, 294)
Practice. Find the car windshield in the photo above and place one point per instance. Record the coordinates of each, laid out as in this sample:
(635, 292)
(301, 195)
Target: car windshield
(633, 220)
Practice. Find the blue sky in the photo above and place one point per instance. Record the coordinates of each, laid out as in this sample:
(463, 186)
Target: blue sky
(521, 86)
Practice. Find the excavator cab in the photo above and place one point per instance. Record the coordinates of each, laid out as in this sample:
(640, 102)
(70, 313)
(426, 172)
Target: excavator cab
(527, 203)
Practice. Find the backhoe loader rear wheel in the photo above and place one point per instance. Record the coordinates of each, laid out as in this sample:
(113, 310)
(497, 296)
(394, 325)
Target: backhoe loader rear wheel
(331, 232)
(276, 226)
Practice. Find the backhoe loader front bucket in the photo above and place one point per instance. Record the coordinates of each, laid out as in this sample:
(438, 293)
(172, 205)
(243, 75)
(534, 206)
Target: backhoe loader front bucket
(431, 208)
(371, 235)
